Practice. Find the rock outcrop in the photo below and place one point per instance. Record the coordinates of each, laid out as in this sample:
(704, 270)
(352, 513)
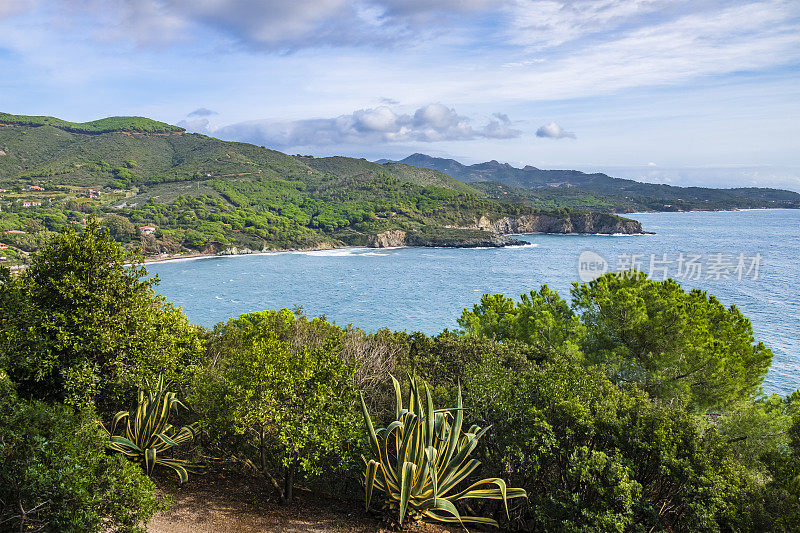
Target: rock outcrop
(488, 240)
(561, 223)
(442, 237)
(487, 233)
(388, 239)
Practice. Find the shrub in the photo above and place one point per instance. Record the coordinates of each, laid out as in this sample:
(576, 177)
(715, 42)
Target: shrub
(596, 457)
(55, 475)
(83, 326)
(288, 409)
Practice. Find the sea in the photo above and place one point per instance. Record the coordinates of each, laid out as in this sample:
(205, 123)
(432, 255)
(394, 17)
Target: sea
(750, 259)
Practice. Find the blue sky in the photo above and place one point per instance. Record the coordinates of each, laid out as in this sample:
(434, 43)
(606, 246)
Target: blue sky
(686, 92)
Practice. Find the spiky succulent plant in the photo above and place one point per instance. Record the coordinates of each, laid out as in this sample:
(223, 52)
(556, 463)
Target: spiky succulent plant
(423, 462)
(148, 435)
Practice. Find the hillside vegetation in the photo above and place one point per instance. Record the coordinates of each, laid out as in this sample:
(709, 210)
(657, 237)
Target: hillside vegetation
(571, 188)
(191, 192)
(104, 125)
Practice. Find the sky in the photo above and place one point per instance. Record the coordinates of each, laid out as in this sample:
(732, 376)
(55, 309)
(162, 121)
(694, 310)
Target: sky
(695, 92)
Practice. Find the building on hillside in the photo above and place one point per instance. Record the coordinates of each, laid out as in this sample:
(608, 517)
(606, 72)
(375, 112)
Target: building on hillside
(147, 230)
(31, 204)
(36, 188)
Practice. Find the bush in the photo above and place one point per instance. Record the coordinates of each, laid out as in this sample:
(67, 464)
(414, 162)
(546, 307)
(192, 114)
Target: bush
(288, 409)
(55, 474)
(595, 457)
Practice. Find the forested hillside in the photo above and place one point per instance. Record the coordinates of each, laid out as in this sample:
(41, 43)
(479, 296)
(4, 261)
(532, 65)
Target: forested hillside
(167, 191)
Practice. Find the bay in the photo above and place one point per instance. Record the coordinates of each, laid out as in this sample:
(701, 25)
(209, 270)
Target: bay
(745, 258)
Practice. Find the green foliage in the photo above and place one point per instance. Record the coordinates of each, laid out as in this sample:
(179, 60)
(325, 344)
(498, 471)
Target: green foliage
(148, 433)
(676, 345)
(120, 227)
(595, 457)
(679, 347)
(361, 168)
(423, 462)
(541, 320)
(82, 326)
(105, 125)
(293, 405)
(55, 475)
(757, 429)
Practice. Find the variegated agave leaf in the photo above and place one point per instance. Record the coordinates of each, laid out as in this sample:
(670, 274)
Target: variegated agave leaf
(423, 459)
(148, 434)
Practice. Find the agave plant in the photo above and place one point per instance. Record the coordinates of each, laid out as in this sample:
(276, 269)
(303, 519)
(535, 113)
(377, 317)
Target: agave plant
(423, 462)
(148, 434)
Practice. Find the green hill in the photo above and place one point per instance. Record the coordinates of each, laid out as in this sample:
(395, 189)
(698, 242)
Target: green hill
(205, 194)
(350, 167)
(104, 125)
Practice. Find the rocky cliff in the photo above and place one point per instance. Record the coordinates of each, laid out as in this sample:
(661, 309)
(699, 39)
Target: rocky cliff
(442, 237)
(561, 223)
(388, 239)
(487, 233)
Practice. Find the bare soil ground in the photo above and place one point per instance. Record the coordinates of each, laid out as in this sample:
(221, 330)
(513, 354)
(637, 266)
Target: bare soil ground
(230, 502)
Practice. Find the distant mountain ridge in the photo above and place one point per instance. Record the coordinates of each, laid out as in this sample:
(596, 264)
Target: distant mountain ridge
(600, 191)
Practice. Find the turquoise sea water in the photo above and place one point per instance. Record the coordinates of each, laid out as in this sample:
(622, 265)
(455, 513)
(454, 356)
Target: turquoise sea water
(426, 288)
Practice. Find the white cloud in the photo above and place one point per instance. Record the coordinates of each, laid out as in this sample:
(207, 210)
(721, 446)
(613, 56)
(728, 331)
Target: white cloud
(547, 23)
(429, 123)
(499, 127)
(554, 131)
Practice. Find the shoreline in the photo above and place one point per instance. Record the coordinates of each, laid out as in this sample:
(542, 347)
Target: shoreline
(522, 244)
(200, 255)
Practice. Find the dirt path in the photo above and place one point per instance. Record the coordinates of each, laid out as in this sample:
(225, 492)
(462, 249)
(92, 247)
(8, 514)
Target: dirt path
(231, 503)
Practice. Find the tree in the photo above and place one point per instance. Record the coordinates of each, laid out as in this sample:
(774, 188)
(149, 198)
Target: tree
(83, 326)
(294, 405)
(540, 319)
(120, 227)
(677, 346)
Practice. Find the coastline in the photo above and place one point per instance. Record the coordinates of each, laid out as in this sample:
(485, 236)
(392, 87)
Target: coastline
(521, 244)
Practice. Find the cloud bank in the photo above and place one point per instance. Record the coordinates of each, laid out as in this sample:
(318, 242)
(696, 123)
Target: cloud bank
(283, 25)
(429, 123)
